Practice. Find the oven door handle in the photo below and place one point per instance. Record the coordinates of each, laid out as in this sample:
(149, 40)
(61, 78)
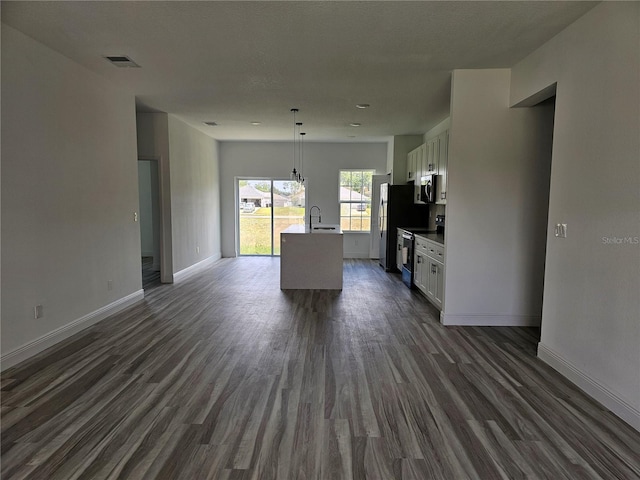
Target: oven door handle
(408, 236)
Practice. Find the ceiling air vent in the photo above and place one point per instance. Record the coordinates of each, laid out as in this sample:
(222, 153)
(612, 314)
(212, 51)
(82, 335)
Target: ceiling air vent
(211, 124)
(121, 61)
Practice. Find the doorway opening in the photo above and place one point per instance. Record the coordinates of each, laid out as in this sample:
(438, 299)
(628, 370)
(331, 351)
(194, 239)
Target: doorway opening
(546, 110)
(265, 208)
(149, 219)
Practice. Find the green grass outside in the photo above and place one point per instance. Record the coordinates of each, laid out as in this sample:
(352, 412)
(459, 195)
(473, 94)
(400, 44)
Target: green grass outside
(255, 230)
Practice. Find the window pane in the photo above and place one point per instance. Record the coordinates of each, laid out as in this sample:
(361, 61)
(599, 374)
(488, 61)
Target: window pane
(261, 222)
(355, 200)
(288, 208)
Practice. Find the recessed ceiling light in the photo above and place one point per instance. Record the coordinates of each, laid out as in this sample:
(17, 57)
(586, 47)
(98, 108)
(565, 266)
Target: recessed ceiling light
(355, 124)
(363, 105)
(255, 124)
(211, 124)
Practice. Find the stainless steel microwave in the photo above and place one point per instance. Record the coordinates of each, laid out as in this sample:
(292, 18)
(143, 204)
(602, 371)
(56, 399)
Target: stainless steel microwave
(428, 188)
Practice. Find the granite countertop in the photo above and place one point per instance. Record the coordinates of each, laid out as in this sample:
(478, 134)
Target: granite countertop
(426, 233)
(433, 236)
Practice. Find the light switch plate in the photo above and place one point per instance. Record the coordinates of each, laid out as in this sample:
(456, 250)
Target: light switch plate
(561, 230)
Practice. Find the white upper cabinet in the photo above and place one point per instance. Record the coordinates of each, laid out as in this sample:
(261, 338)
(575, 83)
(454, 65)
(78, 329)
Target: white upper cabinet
(432, 157)
(443, 163)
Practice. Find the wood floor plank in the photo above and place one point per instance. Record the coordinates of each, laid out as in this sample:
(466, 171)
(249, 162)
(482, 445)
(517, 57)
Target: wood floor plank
(210, 379)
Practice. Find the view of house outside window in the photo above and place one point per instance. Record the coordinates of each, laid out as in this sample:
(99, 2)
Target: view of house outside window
(267, 207)
(355, 200)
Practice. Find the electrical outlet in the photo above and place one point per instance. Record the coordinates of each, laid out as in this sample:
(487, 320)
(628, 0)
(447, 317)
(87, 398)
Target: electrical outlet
(135, 216)
(109, 284)
(38, 311)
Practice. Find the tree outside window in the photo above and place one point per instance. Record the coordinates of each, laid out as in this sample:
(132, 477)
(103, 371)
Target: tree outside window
(355, 200)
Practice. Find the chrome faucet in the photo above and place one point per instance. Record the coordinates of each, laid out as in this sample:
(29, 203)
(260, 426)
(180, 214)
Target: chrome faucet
(311, 217)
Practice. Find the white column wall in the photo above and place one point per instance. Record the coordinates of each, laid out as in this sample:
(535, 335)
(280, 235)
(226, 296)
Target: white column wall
(190, 193)
(195, 195)
(591, 314)
(496, 204)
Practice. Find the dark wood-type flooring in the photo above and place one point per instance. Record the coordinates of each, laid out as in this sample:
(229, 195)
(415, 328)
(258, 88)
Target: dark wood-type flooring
(225, 376)
(150, 277)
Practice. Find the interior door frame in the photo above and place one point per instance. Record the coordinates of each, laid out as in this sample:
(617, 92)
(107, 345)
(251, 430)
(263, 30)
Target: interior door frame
(164, 200)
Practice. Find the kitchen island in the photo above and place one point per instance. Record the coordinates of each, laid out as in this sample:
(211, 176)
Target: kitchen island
(311, 259)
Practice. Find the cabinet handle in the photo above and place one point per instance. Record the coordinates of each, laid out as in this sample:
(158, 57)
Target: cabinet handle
(433, 268)
(399, 247)
(419, 259)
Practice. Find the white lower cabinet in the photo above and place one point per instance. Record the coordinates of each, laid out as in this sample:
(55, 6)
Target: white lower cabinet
(429, 269)
(435, 282)
(420, 270)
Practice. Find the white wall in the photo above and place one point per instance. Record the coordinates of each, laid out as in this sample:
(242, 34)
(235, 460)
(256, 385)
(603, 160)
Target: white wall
(190, 189)
(496, 204)
(591, 314)
(69, 193)
(322, 163)
(195, 195)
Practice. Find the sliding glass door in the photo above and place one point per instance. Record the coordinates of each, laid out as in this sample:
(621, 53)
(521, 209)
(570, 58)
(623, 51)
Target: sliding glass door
(266, 207)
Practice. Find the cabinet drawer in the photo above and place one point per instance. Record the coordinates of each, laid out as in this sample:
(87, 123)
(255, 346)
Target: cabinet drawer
(421, 243)
(435, 251)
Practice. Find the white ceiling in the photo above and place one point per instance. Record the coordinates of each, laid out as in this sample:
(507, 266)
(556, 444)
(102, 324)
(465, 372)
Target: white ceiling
(236, 62)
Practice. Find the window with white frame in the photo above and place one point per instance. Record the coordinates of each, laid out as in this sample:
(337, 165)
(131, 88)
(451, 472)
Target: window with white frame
(355, 200)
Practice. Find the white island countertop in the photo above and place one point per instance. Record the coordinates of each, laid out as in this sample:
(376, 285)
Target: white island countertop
(311, 259)
(318, 228)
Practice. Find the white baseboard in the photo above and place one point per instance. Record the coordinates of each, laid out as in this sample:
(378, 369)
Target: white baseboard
(491, 320)
(40, 344)
(195, 268)
(603, 394)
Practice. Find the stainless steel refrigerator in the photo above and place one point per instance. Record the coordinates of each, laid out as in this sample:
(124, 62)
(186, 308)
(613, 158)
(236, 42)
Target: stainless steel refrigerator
(396, 209)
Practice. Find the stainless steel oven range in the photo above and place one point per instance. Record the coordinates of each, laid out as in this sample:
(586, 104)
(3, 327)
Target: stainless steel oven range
(407, 258)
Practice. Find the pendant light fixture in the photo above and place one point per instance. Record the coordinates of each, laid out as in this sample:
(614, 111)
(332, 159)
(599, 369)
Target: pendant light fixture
(302, 134)
(298, 149)
(294, 172)
(299, 125)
